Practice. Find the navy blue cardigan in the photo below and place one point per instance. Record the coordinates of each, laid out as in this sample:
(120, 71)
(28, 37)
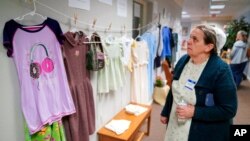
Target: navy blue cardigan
(209, 123)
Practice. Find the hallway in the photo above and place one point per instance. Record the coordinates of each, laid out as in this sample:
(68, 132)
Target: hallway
(157, 130)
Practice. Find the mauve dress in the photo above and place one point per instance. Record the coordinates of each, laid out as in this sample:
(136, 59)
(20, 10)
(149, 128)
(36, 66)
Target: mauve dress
(80, 125)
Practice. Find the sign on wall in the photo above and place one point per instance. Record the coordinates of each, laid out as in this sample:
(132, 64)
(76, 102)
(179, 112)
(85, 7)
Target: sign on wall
(109, 2)
(122, 8)
(81, 4)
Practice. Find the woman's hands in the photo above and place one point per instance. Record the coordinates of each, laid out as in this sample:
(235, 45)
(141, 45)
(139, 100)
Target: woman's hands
(164, 120)
(185, 112)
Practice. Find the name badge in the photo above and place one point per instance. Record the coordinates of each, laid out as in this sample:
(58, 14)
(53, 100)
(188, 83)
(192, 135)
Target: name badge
(190, 84)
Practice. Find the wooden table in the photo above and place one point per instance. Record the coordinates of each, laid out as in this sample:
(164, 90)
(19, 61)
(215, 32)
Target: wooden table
(133, 132)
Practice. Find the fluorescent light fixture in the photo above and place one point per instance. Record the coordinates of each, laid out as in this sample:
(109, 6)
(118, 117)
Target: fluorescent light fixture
(217, 6)
(185, 16)
(218, 0)
(215, 12)
(183, 12)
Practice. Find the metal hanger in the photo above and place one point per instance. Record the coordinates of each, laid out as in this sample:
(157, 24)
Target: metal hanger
(32, 13)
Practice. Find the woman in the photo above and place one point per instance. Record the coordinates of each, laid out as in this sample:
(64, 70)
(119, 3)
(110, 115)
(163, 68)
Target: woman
(204, 83)
(238, 56)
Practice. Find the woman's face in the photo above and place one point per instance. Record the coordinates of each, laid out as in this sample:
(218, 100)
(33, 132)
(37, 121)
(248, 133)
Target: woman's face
(239, 37)
(196, 45)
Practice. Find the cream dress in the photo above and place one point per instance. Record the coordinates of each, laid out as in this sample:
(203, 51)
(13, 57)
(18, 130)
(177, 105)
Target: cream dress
(139, 76)
(126, 46)
(182, 90)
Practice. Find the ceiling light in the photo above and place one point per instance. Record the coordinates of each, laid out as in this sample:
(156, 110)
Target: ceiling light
(215, 12)
(218, 0)
(185, 16)
(217, 6)
(183, 12)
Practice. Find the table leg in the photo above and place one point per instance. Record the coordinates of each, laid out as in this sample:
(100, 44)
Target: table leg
(148, 126)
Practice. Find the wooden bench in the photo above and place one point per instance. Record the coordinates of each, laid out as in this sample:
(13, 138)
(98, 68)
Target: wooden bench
(133, 133)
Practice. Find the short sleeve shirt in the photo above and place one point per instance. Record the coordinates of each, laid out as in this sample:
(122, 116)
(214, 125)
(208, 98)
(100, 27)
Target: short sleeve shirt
(44, 89)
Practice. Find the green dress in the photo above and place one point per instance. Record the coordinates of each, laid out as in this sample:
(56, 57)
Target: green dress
(53, 132)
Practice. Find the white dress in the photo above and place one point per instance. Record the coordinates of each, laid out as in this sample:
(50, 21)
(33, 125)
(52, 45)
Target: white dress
(179, 131)
(126, 44)
(139, 76)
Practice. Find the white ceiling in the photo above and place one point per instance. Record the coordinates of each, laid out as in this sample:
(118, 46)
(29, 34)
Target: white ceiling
(199, 9)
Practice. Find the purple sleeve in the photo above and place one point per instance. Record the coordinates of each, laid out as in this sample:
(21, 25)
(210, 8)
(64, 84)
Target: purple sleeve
(55, 27)
(8, 33)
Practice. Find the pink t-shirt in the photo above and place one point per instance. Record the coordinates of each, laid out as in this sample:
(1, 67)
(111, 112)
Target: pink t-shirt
(45, 94)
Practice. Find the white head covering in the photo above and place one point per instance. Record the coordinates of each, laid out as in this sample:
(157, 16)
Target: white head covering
(220, 38)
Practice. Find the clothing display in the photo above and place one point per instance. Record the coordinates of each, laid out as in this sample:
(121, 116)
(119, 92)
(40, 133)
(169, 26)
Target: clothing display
(80, 125)
(44, 89)
(55, 80)
(139, 77)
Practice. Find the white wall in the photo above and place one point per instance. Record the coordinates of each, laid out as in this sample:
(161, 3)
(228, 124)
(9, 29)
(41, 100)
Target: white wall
(107, 105)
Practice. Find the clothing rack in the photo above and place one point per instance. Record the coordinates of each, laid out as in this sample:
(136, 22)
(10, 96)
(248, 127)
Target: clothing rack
(102, 29)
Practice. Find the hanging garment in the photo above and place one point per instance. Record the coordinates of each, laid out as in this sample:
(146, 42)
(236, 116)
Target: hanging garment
(166, 37)
(112, 76)
(139, 76)
(159, 46)
(152, 47)
(53, 132)
(80, 125)
(126, 45)
(45, 94)
(95, 55)
(174, 47)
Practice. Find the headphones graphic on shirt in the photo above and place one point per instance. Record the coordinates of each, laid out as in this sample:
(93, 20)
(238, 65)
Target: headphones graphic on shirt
(36, 68)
